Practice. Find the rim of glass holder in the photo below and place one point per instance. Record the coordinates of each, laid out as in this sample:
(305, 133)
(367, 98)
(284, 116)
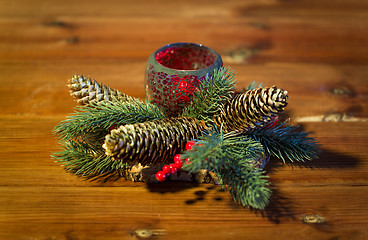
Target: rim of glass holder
(217, 63)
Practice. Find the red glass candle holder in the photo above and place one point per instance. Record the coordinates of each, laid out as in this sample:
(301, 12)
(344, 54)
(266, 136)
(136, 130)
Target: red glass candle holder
(174, 72)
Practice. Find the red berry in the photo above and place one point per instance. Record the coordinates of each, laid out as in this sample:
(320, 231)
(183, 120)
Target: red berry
(166, 169)
(187, 160)
(160, 176)
(189, 145)
(177, 157)
(173, 169)
(178, 163)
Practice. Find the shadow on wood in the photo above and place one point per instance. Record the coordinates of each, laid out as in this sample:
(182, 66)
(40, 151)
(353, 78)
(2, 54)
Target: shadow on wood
(170, 186)
(280, 208)
(327, 159)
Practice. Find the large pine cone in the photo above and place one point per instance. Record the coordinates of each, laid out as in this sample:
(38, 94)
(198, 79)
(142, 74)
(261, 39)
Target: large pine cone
(153, 141)
(252, 108)
(86, 90)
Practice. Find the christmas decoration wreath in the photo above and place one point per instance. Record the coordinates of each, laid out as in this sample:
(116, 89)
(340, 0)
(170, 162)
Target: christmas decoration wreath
(230, 134)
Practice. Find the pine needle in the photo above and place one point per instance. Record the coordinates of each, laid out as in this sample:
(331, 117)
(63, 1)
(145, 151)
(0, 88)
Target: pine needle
(98, 118)
(82, 134)
(286, 142)
(82, 159)
(232, 158)
(214, 90)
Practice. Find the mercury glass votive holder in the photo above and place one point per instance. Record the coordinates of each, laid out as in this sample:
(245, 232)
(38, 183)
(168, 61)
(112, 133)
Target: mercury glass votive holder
(174, 72)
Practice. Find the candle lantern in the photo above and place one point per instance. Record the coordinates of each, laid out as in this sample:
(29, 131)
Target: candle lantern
(174, 72)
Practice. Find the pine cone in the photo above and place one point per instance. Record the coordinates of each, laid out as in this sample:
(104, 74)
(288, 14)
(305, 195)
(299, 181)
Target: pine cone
(86, 90)
(153, 141)
(251, 109)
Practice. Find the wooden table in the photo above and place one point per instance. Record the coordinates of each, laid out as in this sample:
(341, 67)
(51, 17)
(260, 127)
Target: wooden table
(317, 50)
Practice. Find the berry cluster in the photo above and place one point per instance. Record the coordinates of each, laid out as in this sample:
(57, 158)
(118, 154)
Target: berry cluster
(174, 167)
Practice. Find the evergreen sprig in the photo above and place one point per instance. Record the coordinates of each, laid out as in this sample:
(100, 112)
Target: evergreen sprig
(86, 160)
(232, 158)
(285, 141)
(214, 90)
(82, 134)
(97, 118)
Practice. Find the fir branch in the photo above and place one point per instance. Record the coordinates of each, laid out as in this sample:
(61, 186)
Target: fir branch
(86, 160)
(82, 134)
(214, 90)
(247, 186)
(286, 142)
(232, 158)
(97, 118)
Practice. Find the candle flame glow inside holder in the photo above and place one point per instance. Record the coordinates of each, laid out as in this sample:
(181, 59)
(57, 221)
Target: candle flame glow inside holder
(174, 72)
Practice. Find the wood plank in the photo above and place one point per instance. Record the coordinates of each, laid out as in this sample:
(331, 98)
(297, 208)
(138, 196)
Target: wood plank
(281, 39)
(189, 8)
(297, 32)
(95, 213)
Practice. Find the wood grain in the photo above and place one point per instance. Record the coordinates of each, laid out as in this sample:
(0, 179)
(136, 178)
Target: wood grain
(314, 49)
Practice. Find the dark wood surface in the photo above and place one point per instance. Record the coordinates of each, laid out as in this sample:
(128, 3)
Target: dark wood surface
(317, 50)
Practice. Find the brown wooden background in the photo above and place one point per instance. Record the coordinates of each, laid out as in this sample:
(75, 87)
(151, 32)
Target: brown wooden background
(316, 49)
